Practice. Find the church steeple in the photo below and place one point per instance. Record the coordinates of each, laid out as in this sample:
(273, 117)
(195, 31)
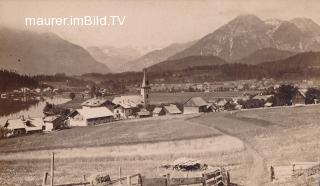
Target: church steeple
(145, 88)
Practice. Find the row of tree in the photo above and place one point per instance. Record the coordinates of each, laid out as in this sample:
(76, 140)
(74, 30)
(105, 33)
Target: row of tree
(11, 81)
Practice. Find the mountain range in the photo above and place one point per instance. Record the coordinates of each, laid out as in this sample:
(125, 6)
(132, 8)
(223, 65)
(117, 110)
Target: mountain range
(246, 34)
(246, 39)
(44, 53)
(115, 58)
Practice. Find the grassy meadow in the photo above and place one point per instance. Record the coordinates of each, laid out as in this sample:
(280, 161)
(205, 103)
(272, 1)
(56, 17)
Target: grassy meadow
(279, 136)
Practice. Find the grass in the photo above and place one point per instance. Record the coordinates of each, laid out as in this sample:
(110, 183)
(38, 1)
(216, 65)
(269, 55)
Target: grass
(116, 133)
(279, 135)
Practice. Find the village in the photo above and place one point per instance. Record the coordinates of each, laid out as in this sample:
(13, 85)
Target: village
(96, 110)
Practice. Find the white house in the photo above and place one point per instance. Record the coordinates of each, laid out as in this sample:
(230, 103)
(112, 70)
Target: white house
(90, 116)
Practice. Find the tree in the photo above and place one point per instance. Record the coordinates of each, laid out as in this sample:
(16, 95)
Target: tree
(4, 132)
(72, 95)
(284, 94)
(252, 103)
(311, 95)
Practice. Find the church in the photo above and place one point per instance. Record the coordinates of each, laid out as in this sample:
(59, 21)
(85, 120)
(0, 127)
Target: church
(131, 106)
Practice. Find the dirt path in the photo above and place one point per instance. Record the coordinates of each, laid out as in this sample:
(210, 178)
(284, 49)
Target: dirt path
(258, 174)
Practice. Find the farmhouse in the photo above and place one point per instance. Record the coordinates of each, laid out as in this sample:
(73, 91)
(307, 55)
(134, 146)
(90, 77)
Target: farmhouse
(299, 98)
(195, 105)
(16, 126)
(158, 111)
(90, 116)
(97, 102)
(143, 113)
(125, 111)
(172, 110)
(53, 123)
(21, 126)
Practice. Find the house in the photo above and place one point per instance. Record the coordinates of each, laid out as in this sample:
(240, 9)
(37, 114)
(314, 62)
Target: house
(34, 125)
(221, 104)
(132, 100)
(195, 105)
(125, 111)
(90, 116)
(53, 123)
(172, 109)
(21, 126)
(262, 97)
(143, 113)
(16, 126)
(97, 102)
(299, 98)
(158, 111)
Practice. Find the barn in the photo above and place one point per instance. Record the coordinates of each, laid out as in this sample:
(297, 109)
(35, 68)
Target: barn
(299, 98)
(158, 111)
(172, 109)
(195, 105)
(90, 116)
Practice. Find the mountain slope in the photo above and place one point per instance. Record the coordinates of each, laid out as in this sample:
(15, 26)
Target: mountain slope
(33, 53)
(247, 33)
(156, 56)
(301, 61)
(114, 58)
(266, 55)
(187, 62)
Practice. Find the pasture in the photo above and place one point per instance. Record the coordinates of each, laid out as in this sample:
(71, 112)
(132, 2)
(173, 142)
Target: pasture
(262, 137)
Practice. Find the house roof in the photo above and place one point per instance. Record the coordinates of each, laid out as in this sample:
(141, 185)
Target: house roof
(157, 110)
(302, 92)
(94, 102)
(173, 109)
(222, 102)
(50, 118)
(15, 124)
(263, 97)
(195, 102)
(96, 112)
(128, 101)
(144, 112)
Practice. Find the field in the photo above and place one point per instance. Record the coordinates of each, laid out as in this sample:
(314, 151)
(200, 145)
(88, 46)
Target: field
(246, 142)
(279, 135)
(181, 97)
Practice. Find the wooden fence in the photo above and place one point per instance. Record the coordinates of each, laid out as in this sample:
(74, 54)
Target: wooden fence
(219, 177)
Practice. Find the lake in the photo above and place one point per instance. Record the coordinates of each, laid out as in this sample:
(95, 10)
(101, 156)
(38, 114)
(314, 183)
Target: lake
(11, 109)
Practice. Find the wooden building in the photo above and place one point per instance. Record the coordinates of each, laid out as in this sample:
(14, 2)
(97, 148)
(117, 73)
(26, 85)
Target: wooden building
(90, 116)
(195, 105)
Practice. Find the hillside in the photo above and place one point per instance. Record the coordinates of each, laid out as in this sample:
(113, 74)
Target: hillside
(156, 56)
(187, 62)
(266, 55)
(35, 53)
(247, 33)
(298, 62)
(16, 81)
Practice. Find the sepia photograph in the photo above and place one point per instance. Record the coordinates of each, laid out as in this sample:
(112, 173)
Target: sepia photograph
(159, 93)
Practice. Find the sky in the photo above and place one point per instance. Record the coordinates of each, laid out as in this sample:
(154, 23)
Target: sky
(149, 23)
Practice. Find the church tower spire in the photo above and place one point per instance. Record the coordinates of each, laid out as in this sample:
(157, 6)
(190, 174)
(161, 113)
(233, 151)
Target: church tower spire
(145, 88)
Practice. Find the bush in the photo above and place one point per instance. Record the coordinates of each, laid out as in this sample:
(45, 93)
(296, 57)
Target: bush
(311, 95)
(4, 132)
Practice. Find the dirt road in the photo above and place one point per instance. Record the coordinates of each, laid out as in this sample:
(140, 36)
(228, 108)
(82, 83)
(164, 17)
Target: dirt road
(258, 174)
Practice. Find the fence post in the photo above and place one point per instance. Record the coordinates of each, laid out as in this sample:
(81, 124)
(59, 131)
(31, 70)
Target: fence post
(44, 180)
(84, 180)
(52, 168)
(140, 180)
(205, 180)
(128, 180)
(168, 179)
(120, 175)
